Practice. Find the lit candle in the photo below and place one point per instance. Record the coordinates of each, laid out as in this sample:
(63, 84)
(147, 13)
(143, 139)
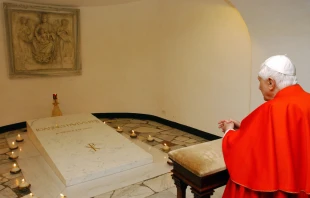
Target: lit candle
(104, 122)
(13, 155)
(13, 146)
(166, 148)
(55, 96)
(19, 138)
(15, 169)
(133, 135)
(24, 184)
(62, 196)
(150, 138)
(119, 129)
(32, 196)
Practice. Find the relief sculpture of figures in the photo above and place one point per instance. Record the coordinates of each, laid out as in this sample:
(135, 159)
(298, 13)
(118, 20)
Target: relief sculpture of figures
(24, 38)
(43, 42)
(65, 41)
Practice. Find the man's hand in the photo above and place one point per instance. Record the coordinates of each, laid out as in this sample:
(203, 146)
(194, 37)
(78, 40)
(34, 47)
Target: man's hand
(236, 123)
(228, 124)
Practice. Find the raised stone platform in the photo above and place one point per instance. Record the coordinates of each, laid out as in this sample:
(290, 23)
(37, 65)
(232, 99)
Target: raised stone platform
(81, 148)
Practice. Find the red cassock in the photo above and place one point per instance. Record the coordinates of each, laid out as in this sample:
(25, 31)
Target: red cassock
(269, 156)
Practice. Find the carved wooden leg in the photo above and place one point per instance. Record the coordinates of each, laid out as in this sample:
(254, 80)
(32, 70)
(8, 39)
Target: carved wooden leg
(203, 194)
(181, 187)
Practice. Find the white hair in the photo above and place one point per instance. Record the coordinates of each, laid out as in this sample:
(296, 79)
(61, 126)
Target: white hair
(282, 80)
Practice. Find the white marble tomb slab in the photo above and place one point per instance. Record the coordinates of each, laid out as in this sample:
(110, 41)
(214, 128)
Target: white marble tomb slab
(64, 142)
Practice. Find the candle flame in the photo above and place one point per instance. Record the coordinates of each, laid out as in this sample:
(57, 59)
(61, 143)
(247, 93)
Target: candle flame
(23, 180)
(132, 131)
(118, 127)
(62, 196)
(150, 136)
(13, 143)
(31, 194)
(18, 135)
(12, 152)
(103, 122)
(165, 144)
(14, 165)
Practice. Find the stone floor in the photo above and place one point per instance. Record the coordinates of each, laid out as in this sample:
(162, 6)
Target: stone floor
(161, 186)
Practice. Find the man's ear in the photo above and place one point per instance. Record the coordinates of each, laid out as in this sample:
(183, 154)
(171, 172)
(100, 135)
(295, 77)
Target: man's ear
(271, 84)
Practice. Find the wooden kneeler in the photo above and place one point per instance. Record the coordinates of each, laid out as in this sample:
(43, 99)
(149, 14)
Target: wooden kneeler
(201, 167)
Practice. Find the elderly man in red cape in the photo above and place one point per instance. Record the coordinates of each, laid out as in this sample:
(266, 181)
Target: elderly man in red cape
(267, 155)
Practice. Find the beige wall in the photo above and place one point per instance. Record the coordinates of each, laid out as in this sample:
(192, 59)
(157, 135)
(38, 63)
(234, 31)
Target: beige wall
(206, 56)
(277, 27)
(183, 60)
(120, 69)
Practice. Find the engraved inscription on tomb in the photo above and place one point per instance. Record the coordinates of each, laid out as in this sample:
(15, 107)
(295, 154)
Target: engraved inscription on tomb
(73, 124)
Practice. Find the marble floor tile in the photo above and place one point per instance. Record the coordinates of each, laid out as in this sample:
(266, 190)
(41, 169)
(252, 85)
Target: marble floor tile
(13, 183)
(198, 138)
(149, 126)
(138, 121)
(43, 180)
(5, 168)
(190, 141)
(131, 125)
(147, 130)
(218, 193)
(126, 129)
(8, 175)
(191, 144)
(2, 180)
(105, 195)
(166, 137)
(28, 196)
(160, 183)
(164, 127)
(163, 194)
(182, 138)
(25, 148)
(158, 139)
(158, 146)
(7, 193)
(173, 132)
(153, 143)
(154, 123)
(136, 190)
(176, 147)
(189, 193)
(178, 142)
(4, 150)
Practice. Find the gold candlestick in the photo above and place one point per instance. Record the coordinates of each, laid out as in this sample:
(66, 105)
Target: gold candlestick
(56, 110)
